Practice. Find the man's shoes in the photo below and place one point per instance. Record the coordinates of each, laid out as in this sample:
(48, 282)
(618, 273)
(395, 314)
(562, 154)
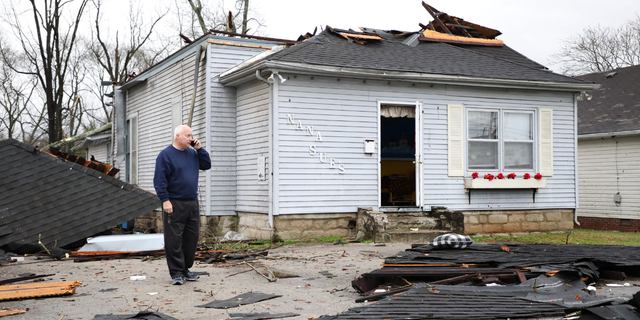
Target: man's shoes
(178, 281)
(192, 276)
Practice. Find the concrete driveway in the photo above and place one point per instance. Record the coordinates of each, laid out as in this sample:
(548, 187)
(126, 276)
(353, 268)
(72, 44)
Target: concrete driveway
(322, 287)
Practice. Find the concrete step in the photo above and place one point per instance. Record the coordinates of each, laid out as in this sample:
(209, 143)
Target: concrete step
(407, 222)
(420, 236)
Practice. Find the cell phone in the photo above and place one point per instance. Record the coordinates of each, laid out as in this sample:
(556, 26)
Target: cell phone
(193, 143)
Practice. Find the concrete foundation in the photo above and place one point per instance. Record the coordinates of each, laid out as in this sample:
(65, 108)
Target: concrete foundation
(510, 222)
(387, 227)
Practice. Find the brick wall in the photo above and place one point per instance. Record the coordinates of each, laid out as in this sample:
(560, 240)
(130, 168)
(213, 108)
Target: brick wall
(613, 224)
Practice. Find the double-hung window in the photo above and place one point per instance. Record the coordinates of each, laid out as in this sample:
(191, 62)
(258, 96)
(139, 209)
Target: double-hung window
(500, 140)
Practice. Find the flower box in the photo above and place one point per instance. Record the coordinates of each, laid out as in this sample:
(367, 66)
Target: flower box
(504, 183)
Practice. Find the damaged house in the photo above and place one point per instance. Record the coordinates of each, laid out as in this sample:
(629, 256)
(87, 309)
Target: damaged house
(304, 135)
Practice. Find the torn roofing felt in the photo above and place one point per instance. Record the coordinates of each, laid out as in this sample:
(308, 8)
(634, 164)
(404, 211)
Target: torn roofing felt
(44, 198)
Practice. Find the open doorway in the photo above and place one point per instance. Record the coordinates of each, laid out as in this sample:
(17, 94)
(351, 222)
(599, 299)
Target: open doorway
(398, 155)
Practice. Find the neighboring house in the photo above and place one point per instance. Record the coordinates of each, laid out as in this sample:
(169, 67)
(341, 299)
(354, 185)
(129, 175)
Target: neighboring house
(96, 146)
(608, 151)
(303, 135)
(54, 202)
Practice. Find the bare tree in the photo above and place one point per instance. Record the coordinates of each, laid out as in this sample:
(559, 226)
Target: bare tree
(49, 50)
(15, 97)
(220, 18)
(121, 56)
(19, 117)
(600, 49)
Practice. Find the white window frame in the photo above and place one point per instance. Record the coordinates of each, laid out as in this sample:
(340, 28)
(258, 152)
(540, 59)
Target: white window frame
(501, 141)
(132, 139)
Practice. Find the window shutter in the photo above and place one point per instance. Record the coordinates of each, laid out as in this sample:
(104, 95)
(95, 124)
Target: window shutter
(546, 142)
(455, 140)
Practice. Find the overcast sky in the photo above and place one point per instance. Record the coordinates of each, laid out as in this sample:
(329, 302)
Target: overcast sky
(534, 28)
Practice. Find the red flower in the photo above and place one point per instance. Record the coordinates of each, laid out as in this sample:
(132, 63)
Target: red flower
(500, 176)
(511, 175)
(474, 175)
(527, 176)
(489, 176)
(538, 176)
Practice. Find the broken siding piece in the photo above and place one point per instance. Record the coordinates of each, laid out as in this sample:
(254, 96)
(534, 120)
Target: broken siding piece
(38, 290)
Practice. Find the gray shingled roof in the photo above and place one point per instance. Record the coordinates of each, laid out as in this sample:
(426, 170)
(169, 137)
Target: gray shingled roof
(615, 107)
(330, 49)
(58, 201)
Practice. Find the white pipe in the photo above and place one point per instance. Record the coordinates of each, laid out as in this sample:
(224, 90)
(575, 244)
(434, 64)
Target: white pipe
(207, 127)
(575, 157)
(275, 169)
(271, 148)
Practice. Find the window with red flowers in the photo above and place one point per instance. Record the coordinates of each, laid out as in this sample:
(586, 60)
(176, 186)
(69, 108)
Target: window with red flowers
(501, 140)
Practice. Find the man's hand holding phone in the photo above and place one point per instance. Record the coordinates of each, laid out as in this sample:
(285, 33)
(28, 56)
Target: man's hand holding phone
(196, 144)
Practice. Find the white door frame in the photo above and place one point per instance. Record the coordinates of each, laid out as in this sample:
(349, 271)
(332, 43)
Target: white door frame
(418, 155)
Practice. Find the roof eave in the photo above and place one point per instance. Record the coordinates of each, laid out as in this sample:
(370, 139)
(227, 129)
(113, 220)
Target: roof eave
(247, 74)
(599, 135)
(186, 51)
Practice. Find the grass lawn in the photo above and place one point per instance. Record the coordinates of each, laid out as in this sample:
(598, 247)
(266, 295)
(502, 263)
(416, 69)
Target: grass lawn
(579, 236)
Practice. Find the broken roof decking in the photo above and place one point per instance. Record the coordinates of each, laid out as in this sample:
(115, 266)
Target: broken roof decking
(59, 202)
(615, 106)
(556, 284)
(522, 255)
(391, 54)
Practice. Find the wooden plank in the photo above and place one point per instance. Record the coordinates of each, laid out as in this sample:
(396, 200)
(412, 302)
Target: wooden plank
(4, 313)
(37, 290)
(435, 16)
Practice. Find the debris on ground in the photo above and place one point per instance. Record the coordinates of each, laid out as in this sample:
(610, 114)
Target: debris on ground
(245, 298)
(505, 280)
(142, 315)
(38, 290)
(260, 316)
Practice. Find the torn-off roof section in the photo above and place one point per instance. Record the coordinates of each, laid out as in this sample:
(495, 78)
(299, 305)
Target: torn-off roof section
(615, 106)
(446, 28)
(59, 202)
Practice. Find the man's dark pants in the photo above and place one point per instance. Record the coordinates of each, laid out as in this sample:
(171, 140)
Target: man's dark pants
(181, 231)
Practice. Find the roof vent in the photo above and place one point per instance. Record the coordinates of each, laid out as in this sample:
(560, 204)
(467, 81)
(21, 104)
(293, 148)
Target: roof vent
(611, 74)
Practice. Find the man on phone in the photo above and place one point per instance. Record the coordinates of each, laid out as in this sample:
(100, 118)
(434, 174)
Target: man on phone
(176, 183)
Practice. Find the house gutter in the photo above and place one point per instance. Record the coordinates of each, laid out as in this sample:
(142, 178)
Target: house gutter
(609, 134)
(234, 78)
(207, 124)
(120, 105)
(575, 156)
(273, 120)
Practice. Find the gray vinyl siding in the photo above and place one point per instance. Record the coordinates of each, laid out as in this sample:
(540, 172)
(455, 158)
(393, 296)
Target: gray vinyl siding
(606, 168)
(223, 128)
(345, 112)
(99, 152)
(151, 100)
(252, 142)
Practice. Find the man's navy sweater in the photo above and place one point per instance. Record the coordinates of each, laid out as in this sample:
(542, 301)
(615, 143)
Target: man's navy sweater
(176, 174)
